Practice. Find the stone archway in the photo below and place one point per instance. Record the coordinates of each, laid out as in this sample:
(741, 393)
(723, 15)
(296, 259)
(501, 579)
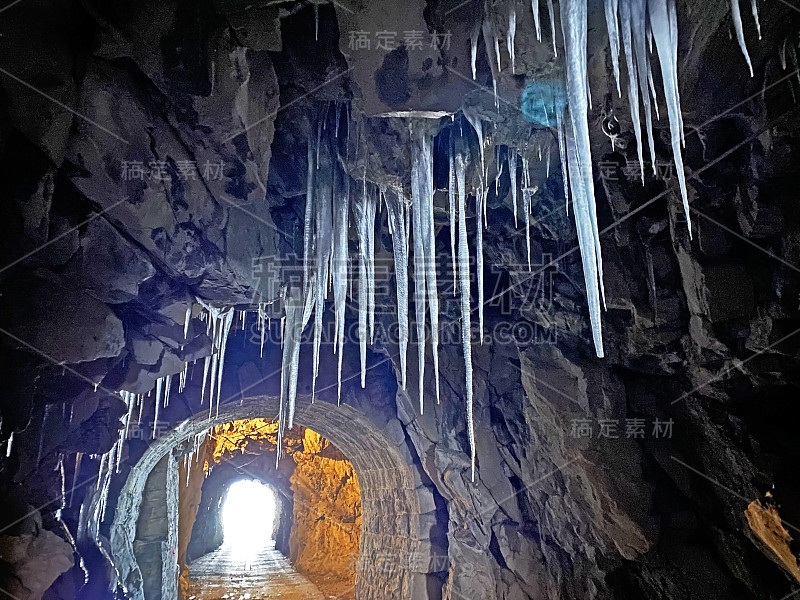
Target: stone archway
(396, 556)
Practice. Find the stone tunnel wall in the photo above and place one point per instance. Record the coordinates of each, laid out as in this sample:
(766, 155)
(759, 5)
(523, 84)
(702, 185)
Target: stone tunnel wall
(397, 533)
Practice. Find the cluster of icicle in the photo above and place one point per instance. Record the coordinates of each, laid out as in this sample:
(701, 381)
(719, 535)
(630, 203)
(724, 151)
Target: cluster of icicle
(219, 322)
(633, 26)
(329, 204)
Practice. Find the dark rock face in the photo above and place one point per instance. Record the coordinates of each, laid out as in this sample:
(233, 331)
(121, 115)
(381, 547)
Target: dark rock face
(155, 153)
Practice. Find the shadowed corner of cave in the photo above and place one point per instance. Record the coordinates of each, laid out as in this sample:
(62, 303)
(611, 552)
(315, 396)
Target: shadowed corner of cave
(249, 526)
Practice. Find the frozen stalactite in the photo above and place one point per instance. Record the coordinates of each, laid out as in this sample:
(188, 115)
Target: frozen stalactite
(473, 49)
(633, 83)
(562, 153)
(341, 215)
(396, 213)
(512, 175)
(638, 10)
(323, 226)
(536, 19)
(736, 15)
(574, 29)
(75, 474)
(294, 305)
(527, 195)
(611, 9)
(480, 207)
(425, 286)
(186, 321)
(464, 285)
(308, 217)
(510, 35)
(662, 25)
(9, 444)
(754, 8)
(364, 212)
(219, 326)
(159, 386)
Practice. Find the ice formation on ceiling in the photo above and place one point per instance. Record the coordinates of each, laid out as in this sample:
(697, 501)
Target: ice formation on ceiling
(334, 196)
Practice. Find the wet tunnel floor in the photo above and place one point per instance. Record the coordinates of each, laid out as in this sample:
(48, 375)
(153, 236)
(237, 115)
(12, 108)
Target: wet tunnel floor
(222, 575)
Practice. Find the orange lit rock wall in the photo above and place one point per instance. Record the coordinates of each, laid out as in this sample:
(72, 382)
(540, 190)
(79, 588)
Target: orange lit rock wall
(327, 516)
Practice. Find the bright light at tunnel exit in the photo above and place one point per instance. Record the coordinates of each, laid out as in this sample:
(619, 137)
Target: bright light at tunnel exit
(248, 518)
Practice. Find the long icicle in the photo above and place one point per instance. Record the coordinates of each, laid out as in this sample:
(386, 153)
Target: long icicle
(574, 29)
(360, 213)
(633, 82)
(611, 8)
(424, 244)
(464, 278)
(395, 207)
(512, 175)
(739, 28)
(451, 196)
(341, 203)
(661, 25)
(536, 19)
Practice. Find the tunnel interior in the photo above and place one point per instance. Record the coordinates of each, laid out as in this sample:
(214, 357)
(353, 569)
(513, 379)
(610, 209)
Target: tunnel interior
(310, 496)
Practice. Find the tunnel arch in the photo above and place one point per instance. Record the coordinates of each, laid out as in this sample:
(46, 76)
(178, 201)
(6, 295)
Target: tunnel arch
(396, 555)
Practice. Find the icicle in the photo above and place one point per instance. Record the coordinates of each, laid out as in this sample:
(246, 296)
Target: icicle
(341, 204)
(526, 205)
(480, 207)
(323, 223)
(536, 20)
(451, 194)
(480, 213)
(510, 35)
(574, 29)
(782, 55)
(424, 251)
(562, 152)
(464, 278)
(633, 83)
(473, 48)
(395, 207)
(737, 25)
(652, 86)
(167, 388)
(372, 202)
(611, 7)
(78, 458)
(291, 356)
(316, 22)
(159, 387)
(662, 25)
(187, 319)
(364, 211)
(492, 58)
(754, 7)
(129, 401)
(512, 174)
(9, 444)
(552, 14)
(639, 28)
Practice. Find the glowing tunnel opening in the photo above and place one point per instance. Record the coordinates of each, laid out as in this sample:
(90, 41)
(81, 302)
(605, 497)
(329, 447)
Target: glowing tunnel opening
(248, 518)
